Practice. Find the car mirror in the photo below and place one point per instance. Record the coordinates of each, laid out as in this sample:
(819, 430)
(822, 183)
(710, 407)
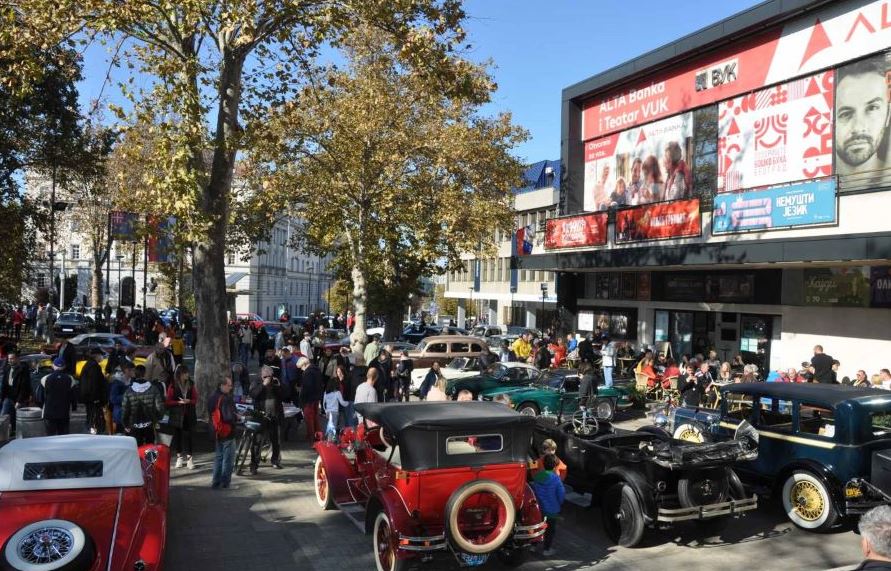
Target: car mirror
(151, 455)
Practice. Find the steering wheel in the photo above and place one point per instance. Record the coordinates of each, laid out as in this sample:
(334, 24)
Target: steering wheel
(584, 423)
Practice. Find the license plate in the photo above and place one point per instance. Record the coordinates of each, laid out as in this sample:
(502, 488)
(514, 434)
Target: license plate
(64, 330)
(472, 560)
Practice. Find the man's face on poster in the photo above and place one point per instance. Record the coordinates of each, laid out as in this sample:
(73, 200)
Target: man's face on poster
(862, 117)
(604, 174)
(635, 171)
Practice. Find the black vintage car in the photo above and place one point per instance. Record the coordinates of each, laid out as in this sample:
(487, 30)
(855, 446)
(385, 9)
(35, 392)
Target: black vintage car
(644, 478)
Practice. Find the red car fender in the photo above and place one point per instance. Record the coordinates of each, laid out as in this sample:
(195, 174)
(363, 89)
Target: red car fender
(530, 513)
(389, 500)
(338, 470)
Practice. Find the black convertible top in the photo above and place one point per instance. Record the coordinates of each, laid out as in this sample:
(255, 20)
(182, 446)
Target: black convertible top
(474, 415)
(825, 393)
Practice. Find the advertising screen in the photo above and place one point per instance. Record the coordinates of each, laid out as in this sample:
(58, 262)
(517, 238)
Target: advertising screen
(646, 164)
(659, 221)
(776, 135)
(798, 204)
(587, 230)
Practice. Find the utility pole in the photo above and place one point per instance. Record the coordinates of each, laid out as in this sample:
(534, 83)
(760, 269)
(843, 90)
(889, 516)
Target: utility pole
(52, 240)
(62, 284)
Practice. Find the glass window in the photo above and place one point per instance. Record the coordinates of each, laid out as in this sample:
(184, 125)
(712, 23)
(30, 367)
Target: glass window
(474, 444)
(62, 470)
(881, 423)
(705, 153)
(475, 348)
(738, 406)
(436, 348)
(775, 414)
(460, 347)
(816, 419)
(75, 251)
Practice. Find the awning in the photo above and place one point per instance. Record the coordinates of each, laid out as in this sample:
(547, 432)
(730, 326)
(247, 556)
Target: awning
(234, 278)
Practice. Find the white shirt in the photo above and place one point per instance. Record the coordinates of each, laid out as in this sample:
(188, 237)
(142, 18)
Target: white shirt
(608, 352)
(365, 393)
(306, 348)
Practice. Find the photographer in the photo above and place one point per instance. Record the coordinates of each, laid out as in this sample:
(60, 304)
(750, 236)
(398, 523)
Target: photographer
(692, 390)
(266, 392)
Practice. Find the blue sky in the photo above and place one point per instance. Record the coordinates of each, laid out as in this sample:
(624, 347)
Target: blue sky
(538, 48)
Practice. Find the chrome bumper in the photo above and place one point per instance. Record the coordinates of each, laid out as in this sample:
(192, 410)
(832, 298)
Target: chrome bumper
(522, 533)
(732, 507)
(529, 532)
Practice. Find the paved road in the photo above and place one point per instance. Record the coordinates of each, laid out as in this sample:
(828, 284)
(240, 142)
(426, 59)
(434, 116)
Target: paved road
(271, 522)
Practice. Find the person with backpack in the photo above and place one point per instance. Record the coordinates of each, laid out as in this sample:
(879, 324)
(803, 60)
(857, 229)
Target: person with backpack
(221, 408)
(142, 408)
(180, 401)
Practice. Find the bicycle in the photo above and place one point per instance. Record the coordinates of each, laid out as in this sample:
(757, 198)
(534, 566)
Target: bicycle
(255, 428)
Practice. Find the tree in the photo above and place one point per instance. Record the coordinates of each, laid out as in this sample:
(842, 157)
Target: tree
(216, 69)
(413, 175)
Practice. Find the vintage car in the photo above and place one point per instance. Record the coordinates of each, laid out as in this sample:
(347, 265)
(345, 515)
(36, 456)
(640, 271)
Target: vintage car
(72, 323)
(825, 449)
(106, 342)
(558, 390)
(441, 349)
(499, 375)
(435, 478)
(83, 503)
(645, 478)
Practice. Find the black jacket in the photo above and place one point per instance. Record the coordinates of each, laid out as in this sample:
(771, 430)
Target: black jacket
(115, 358)
(692, 393)
(20, 390)
(358, 374)
(313, 386)
(93, 386)
(142, 405)
(227, 410)
(822, 367)
(586, 351)
(268, 398)
(57, 389)
(69, 355)
(384, 384)
(873, 564)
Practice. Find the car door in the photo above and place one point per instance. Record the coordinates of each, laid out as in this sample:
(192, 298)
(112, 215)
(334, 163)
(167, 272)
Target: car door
(777, 442)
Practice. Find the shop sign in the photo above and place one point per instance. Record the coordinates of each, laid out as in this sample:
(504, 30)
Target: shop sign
(661, 221)
(880, 281)
(577, 231)
(839, 32)
(847, 287)
(776, 135)
(804, 203)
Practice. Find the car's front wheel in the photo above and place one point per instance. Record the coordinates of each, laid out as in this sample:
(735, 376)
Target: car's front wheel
(528, 408)
(622, 514)
(323, 491)
(385, 545)
(807, 502)
(49, 545)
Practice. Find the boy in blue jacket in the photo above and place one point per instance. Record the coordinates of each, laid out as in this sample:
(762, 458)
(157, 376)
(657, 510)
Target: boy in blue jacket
(549, 492)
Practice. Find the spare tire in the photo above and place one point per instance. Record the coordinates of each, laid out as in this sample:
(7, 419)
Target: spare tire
(703, 487)
(49, 545)
(691, 432)
(493, 512)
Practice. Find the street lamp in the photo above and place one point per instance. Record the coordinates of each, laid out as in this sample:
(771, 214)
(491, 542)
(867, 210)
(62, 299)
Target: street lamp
(544, 294)
(119, 257)
(469, 305)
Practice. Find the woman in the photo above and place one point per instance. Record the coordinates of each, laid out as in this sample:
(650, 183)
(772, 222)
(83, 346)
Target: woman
(438, 391)
(181, 399)
(433, 376)
(860, 380)
(559, 351)
(650, 372)
(651, 190)
(738, 364)
(724, 374)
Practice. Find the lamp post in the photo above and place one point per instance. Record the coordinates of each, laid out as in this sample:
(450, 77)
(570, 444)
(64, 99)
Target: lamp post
(544, 294)
(469, 307)
(119, 257)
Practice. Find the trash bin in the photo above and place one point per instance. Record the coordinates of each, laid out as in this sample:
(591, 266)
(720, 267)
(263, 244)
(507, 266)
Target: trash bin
(29, 422)
(4, 427)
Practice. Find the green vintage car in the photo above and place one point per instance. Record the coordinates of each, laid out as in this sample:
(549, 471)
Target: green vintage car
(545, 394)
(499, 375)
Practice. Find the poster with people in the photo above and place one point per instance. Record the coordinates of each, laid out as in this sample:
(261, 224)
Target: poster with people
(861, 123)
(776, 135)
(643, 165)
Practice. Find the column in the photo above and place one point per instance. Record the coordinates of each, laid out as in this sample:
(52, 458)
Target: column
(461, 319)
(530, 317)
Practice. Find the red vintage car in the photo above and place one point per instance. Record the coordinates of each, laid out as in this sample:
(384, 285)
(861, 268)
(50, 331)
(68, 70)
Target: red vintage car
(83, 503)
(438, 478)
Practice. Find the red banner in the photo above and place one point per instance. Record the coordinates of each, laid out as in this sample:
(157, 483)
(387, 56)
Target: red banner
(840, 32)
(587, 230)
(677, 219)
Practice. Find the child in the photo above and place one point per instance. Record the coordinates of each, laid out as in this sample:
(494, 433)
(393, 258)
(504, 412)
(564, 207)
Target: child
(549, 492)
(333, 400)
(549, 448)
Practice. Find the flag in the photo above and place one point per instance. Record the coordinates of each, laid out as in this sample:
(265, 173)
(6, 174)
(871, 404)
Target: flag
(123, 225)
(160, 239)
(525, 240)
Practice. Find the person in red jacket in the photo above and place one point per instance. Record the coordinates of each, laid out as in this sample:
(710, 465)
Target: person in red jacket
(180, 402)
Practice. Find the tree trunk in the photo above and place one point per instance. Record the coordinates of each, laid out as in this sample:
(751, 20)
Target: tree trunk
(96, 283)
(358, 338)
(393, 325)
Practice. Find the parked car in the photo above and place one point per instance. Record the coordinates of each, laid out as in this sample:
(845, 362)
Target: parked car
(415, 333)
(83, 502)
(486, 331)
(461, 367)
(825, 449)
(497, 376)
(253, 319)
(434, 479)
(72, 323)
(442, 349)
(645, 478)
(558, 390)
(106, 341)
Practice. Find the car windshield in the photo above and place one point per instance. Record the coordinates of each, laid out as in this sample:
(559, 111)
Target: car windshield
(422, 345)
(71, 317)
(551, 380)
(497, 370)
(459, 363)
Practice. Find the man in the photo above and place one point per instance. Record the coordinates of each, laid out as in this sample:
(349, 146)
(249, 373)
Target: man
(68, 354)
(160, 364)
(385, 382)
(306, 345)
(224, 448)
(15, 391)
(861, 120)
(571, 342)
(372, 350)
(884, 379)
(608, 355)
(692, 390)
(633, 187)
(465, 396)
(94, 392)
(116, 357)
(366, 392)
(266, 392)
(486, 359)
(116, 391)
(522, 347)
(142, 408)
(289, 374)
(875, 538)
(586, 349)
(57, 389)
(822, 364)
(246, 341)
(311, 394)
(41, 322)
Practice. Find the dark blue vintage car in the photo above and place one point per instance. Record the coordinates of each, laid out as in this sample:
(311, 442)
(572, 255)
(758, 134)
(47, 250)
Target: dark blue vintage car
(826, 449)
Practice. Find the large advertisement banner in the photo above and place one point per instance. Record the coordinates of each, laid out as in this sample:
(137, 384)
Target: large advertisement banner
(776, 135)
(840, 32)
(643, 165)
(587, 230)
(659, 221)
(880, 280)
(837, 286)
(799, 204)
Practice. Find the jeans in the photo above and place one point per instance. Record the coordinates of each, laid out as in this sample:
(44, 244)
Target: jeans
(8, 407)
(244, 353)
(349, 417)
(223, 462)
(608, 376)
(273, 430)
(550, 531)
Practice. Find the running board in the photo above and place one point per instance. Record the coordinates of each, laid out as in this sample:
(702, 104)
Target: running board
(355, 512)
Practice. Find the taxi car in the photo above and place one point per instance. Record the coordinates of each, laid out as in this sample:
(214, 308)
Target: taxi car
(83, 503)
(824, 449)
(432, 479)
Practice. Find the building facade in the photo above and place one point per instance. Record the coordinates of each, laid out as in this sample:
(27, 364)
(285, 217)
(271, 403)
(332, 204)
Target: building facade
(731, 190)
(499, 292)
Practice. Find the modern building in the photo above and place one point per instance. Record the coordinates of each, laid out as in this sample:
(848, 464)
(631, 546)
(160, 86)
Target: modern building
(732, 190)
(500, 293)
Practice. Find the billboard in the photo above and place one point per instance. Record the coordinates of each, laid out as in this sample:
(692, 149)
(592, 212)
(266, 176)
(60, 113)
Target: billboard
(862, 113)
(586, 230)
(776, 135)
(798, 204)
(824, 38)
(837, 286)
(880, 286)
(643, 165)
(677, 219)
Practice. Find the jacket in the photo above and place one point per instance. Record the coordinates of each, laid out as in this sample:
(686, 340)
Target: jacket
(874, 564)
(93, 386)
(357, 377)
(371, 353)
(143, 404)
(20, 389)
(160, 366)
(67, 352)
(187, 411)
(313, 387)
(268, 398)
(692, 393)
(227, 410)
(57, 387)
(429, 381)
(549, 492)
(116, 399)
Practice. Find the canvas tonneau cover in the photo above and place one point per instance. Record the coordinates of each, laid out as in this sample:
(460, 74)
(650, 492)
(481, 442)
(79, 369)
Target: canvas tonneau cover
(473, 415)
(675, 455)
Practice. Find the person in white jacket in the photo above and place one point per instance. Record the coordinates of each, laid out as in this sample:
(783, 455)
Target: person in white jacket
(332, 402)
(608, 353)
